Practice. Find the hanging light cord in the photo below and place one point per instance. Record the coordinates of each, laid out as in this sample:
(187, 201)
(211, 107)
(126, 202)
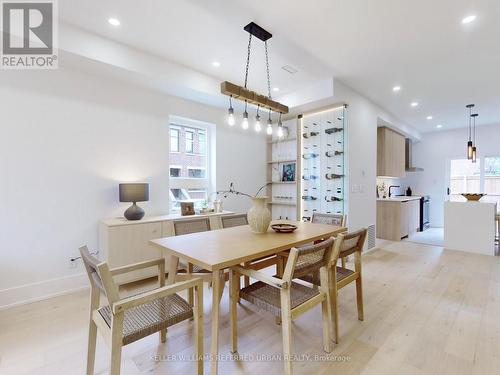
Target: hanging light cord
(470, 124)
(248, 58)
(475, 130)
(268, 74)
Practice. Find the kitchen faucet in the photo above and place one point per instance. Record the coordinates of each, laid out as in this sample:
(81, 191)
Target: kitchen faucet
(392, 186)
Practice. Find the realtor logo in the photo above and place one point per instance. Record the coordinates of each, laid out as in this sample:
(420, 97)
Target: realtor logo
(29, 34)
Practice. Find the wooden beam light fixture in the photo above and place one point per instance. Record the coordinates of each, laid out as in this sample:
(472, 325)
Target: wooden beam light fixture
(242, 93)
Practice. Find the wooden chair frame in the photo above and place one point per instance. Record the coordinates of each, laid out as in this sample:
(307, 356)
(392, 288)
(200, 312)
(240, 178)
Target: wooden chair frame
(114, 335)
(287, 313)
(356, 276)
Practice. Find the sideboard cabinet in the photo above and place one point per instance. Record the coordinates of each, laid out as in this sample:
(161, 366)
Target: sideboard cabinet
(123, 242)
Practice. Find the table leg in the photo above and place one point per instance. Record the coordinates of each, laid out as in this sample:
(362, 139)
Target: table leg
(217, 285)
(172, 269)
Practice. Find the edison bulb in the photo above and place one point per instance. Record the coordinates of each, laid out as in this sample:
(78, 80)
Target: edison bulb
(258, 126)
(269, 129)
(244, 124)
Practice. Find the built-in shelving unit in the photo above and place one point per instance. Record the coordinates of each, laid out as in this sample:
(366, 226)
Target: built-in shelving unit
(281, 161)
(283, 172)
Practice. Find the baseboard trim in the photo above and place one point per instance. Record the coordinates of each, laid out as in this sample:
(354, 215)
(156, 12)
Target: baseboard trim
(24, 294)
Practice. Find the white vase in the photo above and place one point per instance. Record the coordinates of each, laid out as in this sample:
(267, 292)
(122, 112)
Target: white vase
(259, 216)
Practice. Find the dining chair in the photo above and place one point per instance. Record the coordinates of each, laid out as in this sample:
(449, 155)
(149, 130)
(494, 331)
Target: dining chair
(190, 270)
(285, 298)
(338, 220)
(187, 227)
(235, 220)
(124, 320)
(330, 219)
(345, 245)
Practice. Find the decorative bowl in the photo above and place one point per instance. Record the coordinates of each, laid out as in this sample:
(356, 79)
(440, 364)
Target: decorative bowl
(283, 228)
(473, 197)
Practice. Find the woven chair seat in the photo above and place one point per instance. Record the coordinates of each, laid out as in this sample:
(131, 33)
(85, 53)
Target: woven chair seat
(183, 266)
(144, 320)
(342, 273)
(267, 297)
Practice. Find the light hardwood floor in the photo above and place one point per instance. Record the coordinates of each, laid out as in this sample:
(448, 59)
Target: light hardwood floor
(427, 311)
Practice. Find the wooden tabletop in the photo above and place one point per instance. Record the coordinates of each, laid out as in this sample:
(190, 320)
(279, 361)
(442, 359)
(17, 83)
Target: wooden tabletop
(223, 248)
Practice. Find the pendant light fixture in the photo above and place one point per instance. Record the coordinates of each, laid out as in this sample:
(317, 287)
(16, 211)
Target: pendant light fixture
(280, 127)
(230, 113)
(474, 149)
(469, 143)
(269, 129)
(244, 94)
(258, 126)
(244, 123)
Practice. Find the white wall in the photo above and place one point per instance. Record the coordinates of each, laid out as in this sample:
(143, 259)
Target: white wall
(433, 153)
(67, 139)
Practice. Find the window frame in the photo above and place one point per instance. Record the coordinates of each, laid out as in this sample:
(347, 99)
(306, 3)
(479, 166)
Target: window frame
(201, 168)
(178, 130)
(191, 141)
(175, 167)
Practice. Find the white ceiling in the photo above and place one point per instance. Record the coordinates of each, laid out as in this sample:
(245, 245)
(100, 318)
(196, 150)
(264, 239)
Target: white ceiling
(369, 45)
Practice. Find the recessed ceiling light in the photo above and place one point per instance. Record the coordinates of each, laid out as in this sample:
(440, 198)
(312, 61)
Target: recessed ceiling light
(114, 21)
(439, 126)
(469, 19)
(276, 89)
(396, 88)
(215, 64)
(414, 104)
(429, 117)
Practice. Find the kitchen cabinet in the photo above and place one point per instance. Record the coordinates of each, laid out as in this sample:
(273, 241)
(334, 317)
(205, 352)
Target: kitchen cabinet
(397, 218)
(413, 216)
(390, 153)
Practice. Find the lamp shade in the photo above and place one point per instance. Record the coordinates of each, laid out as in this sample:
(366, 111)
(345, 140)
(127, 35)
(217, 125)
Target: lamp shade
(134, 192)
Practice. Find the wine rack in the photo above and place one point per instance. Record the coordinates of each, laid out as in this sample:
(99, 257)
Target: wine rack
(322, 137)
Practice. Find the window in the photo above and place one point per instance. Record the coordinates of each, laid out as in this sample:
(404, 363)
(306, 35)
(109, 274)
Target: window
(492, 179)
(465, 177)
(190, 167)
(174, 140)
(196, 172)
(202, 142)
(175, 171)
(189, 141)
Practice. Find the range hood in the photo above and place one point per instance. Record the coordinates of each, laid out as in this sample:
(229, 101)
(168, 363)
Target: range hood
(409, 157)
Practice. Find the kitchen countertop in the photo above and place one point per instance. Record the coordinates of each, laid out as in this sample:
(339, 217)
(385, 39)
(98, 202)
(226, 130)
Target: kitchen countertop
(399, 199)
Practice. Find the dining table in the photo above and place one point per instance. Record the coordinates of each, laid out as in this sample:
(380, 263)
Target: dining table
(219, 250)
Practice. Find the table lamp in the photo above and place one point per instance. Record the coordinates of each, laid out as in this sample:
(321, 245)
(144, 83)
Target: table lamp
(134, 192)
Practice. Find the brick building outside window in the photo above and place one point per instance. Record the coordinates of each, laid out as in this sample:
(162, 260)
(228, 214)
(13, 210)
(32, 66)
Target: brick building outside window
(189, 161)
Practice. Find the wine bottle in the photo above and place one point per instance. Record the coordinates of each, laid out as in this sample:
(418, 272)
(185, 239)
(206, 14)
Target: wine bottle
(333, 130)
(310, 155)
(333, 199)
(333, 176)
(309, 198)
(331, 154)
(310, 134)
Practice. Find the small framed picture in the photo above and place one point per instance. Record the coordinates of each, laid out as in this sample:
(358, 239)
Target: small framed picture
(187, 208)
(288, 173)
